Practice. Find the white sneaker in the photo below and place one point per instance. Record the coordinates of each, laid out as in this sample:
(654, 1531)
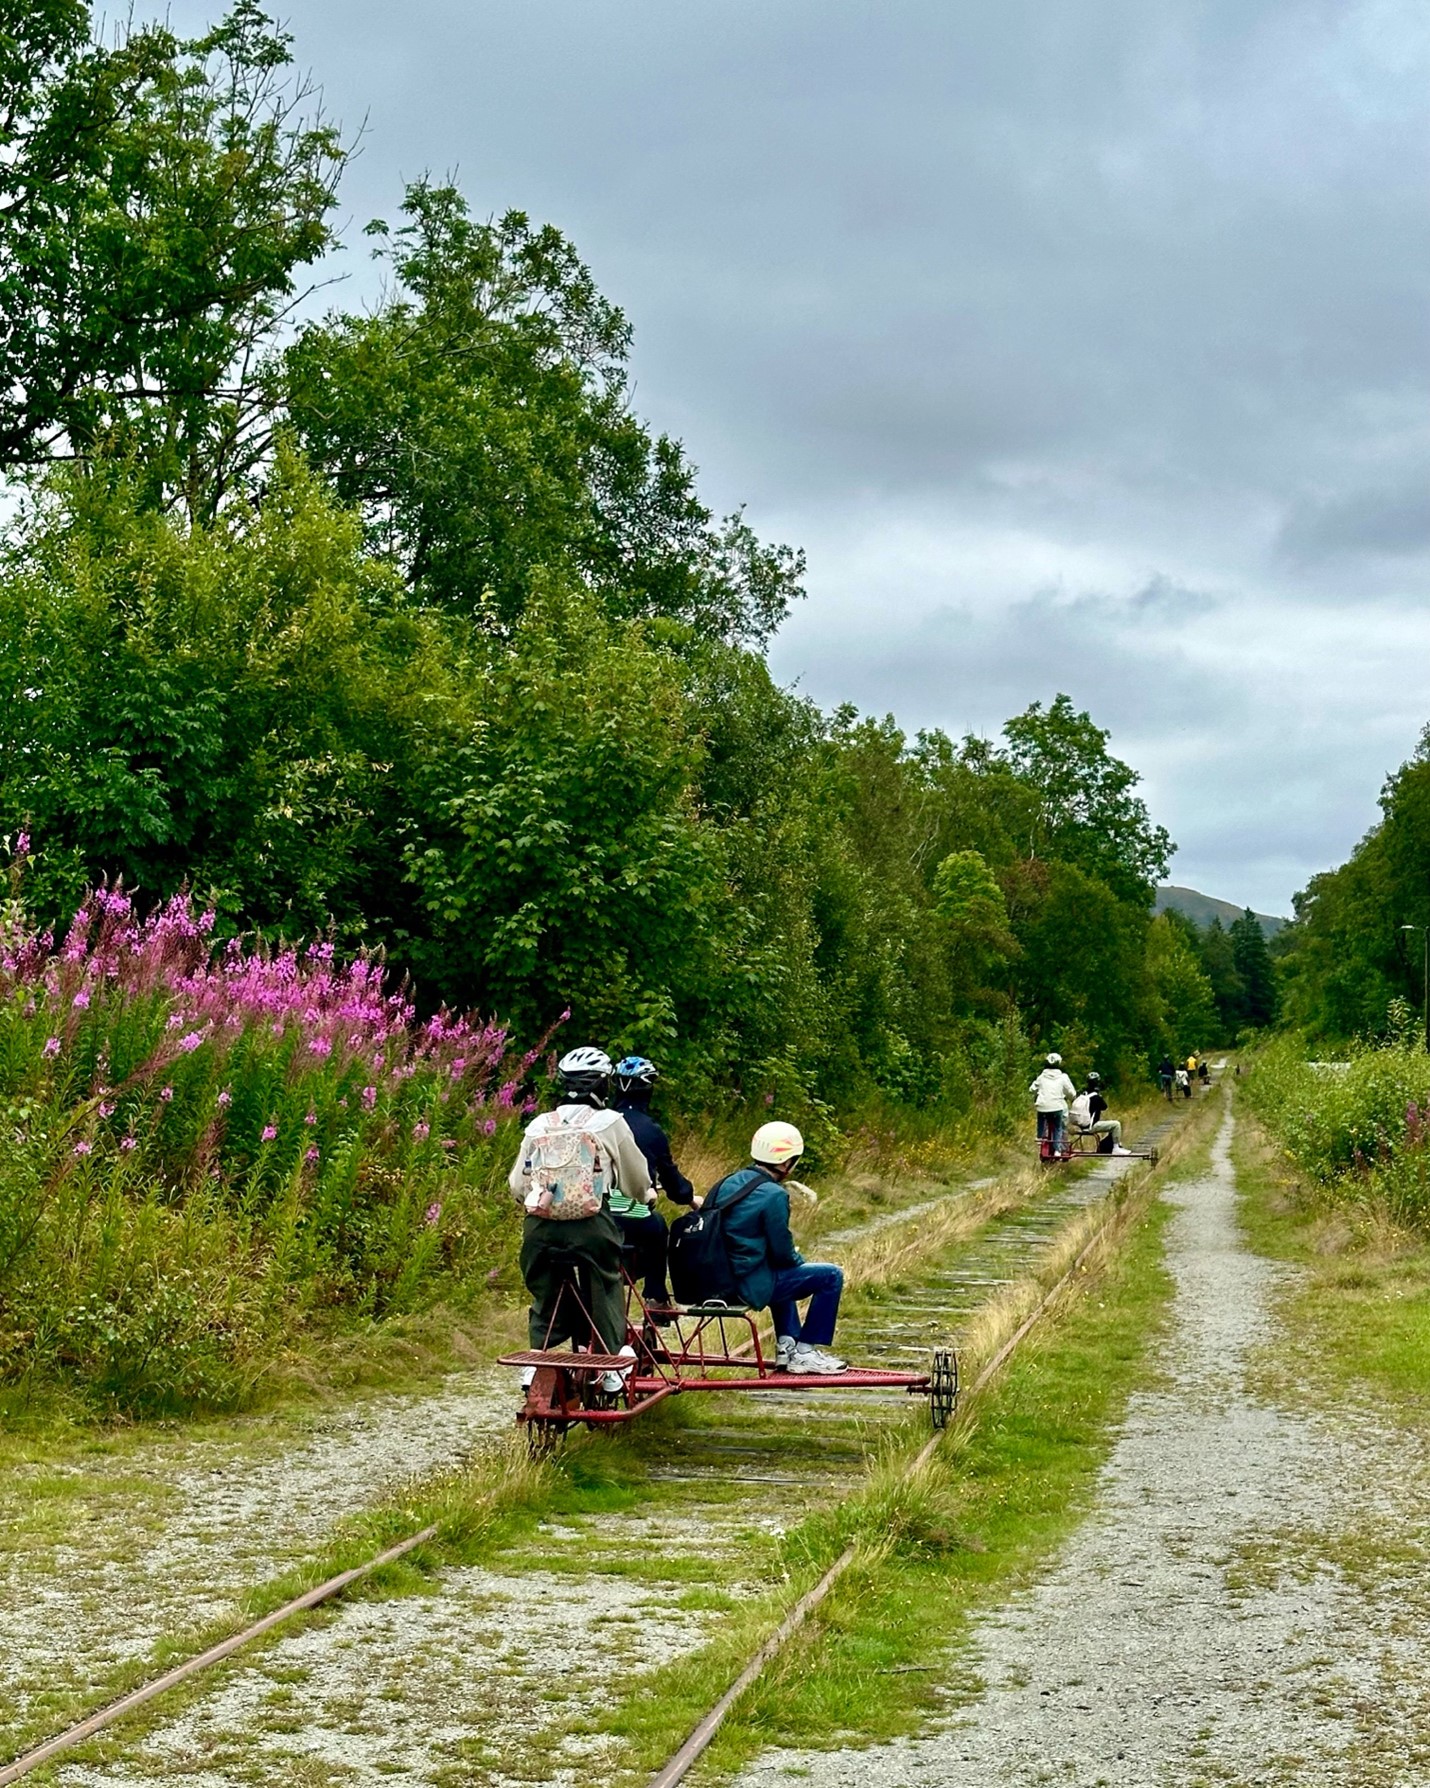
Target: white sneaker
(528, 1377)
(784, 1351)
(814, 1360)
(614, 1382)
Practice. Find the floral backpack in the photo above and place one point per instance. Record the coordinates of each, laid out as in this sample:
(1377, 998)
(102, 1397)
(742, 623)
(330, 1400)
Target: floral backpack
(562, 1167)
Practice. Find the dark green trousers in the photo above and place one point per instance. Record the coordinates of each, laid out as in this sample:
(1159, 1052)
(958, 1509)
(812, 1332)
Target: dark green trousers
(586, 1254)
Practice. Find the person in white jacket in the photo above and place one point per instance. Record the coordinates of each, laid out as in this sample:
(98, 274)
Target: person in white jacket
(1051, 1092)
(571, 1160)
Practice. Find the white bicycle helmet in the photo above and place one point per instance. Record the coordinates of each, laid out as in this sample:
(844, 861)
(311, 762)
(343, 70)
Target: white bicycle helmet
(776, 1145)
(585, 1070)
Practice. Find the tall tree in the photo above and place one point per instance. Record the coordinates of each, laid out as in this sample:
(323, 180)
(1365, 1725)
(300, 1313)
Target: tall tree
(1088, 813)
(157, 199)
(1252, 960)
(481, 421)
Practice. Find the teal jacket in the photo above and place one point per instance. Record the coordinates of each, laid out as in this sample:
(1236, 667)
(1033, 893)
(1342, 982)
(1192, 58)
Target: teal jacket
(757, 1234)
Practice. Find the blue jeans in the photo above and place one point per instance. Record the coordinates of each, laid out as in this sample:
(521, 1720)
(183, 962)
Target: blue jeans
(821, 1284)
(1053, 1124)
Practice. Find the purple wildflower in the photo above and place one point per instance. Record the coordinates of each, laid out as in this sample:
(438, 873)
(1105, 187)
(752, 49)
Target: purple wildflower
(430, 1216)
(310, 1154)
(52, 1046)
(269, 1132)
(225, 1097)
(490, 1127)
(84, 1148)
(311, 1118)
(369, 1097)
(166, 1094)
(106, 1108)
(128, 1142)
(321, 1046)
(80, 1002)
(420, 1132)
(191, 1042)
(22, 847)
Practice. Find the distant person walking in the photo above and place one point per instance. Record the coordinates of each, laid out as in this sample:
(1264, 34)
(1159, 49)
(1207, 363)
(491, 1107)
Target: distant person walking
(1184, 1083)
(1166, 1074)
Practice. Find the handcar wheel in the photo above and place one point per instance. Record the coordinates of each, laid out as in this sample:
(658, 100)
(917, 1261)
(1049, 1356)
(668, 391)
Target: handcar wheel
(943, 1386)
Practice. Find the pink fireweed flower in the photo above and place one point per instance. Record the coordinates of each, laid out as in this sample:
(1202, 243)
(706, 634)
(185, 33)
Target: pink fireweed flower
(369, 1097)
(84, 1148)
(191, 1042)
(506, 1096)
(225, 1097)
(81, 1000)
(269, 1132)
(449, 1142)
(310, 1154)
(311, 1118)
(490, 1127)
(321, 1046)
(420, 1132)
(106, 1108)
(52, 1046)
(459, 1068)
(22, 845)
(166, 1094)
(128, 1142)
(430, 1216)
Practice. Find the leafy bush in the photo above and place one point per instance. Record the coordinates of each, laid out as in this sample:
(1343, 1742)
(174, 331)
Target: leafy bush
(210, 1147)
(1359, 1128)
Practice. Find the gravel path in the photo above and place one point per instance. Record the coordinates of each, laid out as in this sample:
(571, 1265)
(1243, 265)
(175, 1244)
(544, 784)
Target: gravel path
(1247, 1604)
(102, 1556)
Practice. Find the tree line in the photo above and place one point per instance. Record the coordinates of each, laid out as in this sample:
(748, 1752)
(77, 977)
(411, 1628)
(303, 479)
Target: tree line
(401, 626)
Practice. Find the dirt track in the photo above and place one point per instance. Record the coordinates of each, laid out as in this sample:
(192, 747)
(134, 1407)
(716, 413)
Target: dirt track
(1246, 1605)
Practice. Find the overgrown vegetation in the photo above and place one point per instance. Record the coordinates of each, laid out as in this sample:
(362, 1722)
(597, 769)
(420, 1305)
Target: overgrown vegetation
(207, 1147)
(1357, 1129)
(402, 631)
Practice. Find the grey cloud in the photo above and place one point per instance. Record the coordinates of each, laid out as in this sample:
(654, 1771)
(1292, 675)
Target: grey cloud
(1136, 289)
(1383, 523)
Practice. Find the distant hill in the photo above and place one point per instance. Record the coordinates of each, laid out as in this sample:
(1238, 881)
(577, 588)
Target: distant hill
(1202, 909)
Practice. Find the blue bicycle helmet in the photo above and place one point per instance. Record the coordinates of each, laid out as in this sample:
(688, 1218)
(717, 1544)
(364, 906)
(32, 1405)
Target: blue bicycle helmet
(634, 1072)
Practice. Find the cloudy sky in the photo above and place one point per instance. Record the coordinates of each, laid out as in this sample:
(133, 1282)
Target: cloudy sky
(1083, 344)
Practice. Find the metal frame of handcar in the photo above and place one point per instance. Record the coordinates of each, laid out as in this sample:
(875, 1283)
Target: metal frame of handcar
(1081, 1145)
(702, 1347)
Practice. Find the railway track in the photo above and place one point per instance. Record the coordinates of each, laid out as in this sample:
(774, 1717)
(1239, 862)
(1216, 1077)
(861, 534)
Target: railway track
(688, 1526)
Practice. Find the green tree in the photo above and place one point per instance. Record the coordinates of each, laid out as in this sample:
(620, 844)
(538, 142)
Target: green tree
(1087, 813)
(156, 201)
(243, 708)
(1252, 960)
(481, 421)
(1186, 1004)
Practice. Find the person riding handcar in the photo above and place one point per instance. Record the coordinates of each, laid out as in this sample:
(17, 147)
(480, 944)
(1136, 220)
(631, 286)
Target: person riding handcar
(572, 1160)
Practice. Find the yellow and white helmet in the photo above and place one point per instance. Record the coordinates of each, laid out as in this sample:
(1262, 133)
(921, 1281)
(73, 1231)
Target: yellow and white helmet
(776, 1145)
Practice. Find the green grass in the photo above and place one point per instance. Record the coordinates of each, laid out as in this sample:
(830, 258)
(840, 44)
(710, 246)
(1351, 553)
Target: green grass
(1356, 1317)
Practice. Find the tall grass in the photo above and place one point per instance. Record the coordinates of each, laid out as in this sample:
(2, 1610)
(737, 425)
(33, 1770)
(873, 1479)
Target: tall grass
(208, 1149)
(1358, 1128)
